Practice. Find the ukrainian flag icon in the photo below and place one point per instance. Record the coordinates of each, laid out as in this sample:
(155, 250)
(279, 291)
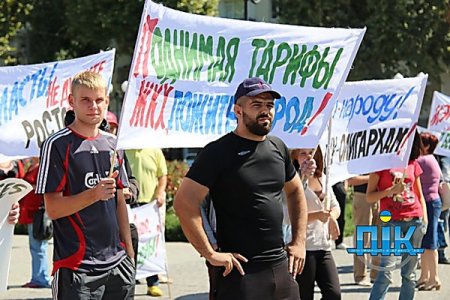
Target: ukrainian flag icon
(385, 216)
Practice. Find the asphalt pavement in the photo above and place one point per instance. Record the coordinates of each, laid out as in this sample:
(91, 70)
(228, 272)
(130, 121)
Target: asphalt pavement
(190, 282)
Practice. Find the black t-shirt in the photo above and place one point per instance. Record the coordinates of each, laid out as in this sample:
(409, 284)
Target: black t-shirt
(245, 179)
(88, 240)
(362, 188)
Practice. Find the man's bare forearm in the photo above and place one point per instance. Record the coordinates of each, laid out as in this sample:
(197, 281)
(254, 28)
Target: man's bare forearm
(191, 223)
(59, 206)
(162, 184)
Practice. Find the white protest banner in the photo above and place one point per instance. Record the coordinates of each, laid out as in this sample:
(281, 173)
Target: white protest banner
(439, 122)
(372, 125)
(11, 190)
(34, 100)
(151, 257)
(186, 69)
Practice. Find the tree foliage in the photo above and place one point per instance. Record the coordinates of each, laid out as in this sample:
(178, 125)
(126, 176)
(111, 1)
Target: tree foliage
(62, 29)
(405, 36)
(12, 13)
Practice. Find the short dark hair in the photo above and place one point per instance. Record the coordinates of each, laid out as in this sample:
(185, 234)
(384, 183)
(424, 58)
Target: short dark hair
(428, 140)
(318, 157)
(416, 147)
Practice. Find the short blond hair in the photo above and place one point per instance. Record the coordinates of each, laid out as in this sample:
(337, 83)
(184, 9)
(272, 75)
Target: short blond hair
(89, 79)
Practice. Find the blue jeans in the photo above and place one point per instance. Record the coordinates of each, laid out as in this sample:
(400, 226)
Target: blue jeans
(409, 264)
(39, 260)
(442, 229)
(430, 240)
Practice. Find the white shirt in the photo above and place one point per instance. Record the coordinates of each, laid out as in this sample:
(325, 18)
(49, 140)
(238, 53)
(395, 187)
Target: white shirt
(317, 231)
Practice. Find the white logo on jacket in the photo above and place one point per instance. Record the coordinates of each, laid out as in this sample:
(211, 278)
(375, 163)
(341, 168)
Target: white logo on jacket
(92, 179)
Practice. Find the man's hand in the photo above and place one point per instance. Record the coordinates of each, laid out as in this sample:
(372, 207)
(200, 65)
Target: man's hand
(106, 188)
(161, 199)
(227, 260)
(127, 193)
(13, 216)
(296, 257)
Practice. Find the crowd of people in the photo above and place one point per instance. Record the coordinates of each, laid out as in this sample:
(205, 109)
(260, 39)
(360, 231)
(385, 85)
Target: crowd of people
(270, 236)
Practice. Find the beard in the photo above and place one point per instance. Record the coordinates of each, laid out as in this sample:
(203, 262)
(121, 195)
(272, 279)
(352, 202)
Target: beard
(256, 128)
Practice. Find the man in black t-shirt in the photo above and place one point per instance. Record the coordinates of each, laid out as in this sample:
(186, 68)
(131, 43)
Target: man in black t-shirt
(89, 215)
(245, 173)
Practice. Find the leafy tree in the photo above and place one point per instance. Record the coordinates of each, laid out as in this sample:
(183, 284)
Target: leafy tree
(12, 13)
(406, 36)
(63, 29)
(82, 27)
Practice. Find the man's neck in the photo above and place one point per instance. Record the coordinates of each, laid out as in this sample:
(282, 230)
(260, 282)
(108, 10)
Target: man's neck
(244, 133)
(84, 129)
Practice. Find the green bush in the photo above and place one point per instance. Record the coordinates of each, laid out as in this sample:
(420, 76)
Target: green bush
(349, 224)
(175, 172)
(174, 233)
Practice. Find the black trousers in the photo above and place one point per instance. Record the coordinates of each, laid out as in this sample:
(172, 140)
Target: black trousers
(134, 240)
(214, 274)
(320, 268)
(262, 281)
(117, 283)
(340, 193)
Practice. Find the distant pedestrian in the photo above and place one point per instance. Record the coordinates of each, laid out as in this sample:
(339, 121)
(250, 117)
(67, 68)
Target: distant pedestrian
(400, 192)
(29, 205)
(429, 278)
(322, 230)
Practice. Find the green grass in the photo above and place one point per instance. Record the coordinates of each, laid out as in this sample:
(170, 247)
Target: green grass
(349, 225)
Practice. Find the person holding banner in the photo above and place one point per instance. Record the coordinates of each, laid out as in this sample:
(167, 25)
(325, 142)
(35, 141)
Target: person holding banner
(12, 169)
(322, 224)
(245, 173)
(400, 192)
(78, 176)
(150, 168)
(13, 215)
(29, 205)
(364, 214)
(430, 178)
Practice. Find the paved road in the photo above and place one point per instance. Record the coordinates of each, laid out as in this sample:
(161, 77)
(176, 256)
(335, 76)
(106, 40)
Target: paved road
(190, 278)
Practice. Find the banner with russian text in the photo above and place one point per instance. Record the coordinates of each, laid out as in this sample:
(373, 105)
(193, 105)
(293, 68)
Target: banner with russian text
(186, 69)
(11, 191)
(439, 122)
(373, 125)
(34, 99)
(151, 257)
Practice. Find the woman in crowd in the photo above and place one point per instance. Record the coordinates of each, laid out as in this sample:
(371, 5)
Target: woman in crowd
(29, 205)
(400, 192)
(429, 279)
(319, 263)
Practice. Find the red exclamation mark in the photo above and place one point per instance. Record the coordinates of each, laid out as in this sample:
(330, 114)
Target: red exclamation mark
(324, 104)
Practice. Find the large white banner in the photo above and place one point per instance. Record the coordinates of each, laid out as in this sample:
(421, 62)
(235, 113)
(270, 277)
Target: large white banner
(439, 122)
(373, 125)
(34, 100)
(11, 190)
(186, 69)
(151, 257)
